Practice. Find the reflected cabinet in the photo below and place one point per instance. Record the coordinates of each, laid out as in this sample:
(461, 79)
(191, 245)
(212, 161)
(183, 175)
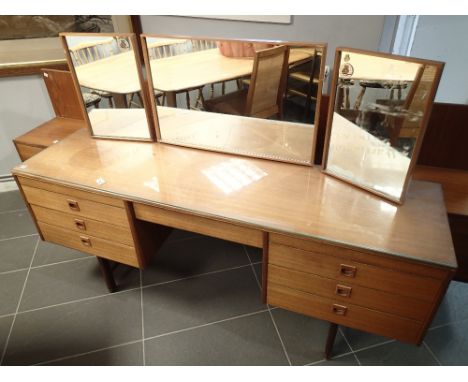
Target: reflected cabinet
(254, 98)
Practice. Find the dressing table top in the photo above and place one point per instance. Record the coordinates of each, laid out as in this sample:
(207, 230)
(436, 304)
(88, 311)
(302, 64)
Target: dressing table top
(273, 196)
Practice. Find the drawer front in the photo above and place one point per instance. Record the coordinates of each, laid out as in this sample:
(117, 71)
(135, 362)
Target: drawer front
(348, 293)
(344, 270)
(204, 226)
(77, 206)
(345, 314)
(95, 246)
(25, 151)
(71, 192)
(84, 225)
(371, 258)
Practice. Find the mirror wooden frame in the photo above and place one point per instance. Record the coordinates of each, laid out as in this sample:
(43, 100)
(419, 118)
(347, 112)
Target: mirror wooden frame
(152, 101)
(143, 84)
(423, 124)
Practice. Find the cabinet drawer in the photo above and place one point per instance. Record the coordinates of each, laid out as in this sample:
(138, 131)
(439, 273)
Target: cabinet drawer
(348, 293)
(95, 246)
(71, 192)
(345, 314)
(76, 206)
(344, 270)
(84, 225)
(204, 226)
(369, 257)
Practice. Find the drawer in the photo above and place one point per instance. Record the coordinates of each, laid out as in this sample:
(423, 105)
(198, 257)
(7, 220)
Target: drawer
(204, 226)
(344, 270)
(345, 314)
(95, 246)
(348, 293)
(76, 206)
(84, 225)
(71, 192)
(369, 257)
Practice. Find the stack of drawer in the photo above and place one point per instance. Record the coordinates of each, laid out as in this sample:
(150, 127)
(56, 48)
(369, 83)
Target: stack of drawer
(85, 221)
(381, 295)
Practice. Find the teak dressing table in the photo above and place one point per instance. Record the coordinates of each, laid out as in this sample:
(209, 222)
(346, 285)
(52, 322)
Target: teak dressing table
(330, 251)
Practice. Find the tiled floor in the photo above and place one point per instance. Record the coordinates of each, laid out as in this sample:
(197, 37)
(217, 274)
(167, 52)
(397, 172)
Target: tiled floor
(198, 304)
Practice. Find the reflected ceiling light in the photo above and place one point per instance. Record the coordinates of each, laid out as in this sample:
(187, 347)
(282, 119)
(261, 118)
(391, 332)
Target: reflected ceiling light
(234, 174)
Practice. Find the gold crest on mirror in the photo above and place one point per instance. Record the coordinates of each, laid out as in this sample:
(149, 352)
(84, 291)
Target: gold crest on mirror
(108, 76)
(377, 118)
(254, 98)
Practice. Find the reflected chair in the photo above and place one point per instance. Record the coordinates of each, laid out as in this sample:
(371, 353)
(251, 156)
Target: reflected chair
(264, 97)
(303, 80)
(88, 52)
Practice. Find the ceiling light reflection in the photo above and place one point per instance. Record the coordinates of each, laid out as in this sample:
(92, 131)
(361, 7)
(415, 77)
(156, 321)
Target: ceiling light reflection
(234, 174)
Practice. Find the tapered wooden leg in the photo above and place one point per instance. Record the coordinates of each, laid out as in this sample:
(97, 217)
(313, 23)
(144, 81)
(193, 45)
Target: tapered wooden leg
(330, 339)
(106, 270)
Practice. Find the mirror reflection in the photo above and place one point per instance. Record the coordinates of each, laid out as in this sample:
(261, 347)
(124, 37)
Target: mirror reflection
(379, 110)
(244, 97)
(107, 72)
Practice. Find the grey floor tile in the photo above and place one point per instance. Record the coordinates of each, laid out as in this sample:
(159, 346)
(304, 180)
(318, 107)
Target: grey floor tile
(450, 343)
(396, 354)
(359, 339)
(64, 282)
(347, 360)
(5, 324)
(11, 285)
(17, 253)
(255, 254)
(11, 200)
(193, 256)
(14, 224)
(125, 355)
(250, 340)
(454, 306)
(200, 300)
(47, 334)
(48, 253)
(305, 337)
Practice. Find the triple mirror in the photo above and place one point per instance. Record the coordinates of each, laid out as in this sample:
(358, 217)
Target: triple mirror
(107, 73)
(253, 98)
(378, 113)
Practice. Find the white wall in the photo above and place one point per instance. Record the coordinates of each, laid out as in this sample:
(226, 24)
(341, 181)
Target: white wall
(24, 104)
(444, 38)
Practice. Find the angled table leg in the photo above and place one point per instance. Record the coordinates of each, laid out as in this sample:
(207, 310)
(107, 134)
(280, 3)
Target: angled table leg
(106, 270)
(330, 339)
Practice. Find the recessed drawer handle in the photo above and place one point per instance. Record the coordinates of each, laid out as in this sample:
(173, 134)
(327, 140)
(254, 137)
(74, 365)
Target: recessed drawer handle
(80, 224)
(347, 270)
(343, 290)
(340, 310)
(85, 241)
(73, 204)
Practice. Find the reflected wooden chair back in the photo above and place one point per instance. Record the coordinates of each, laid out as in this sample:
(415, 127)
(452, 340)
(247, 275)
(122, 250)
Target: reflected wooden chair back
(167, 48)
(87, 52)
(267, 84)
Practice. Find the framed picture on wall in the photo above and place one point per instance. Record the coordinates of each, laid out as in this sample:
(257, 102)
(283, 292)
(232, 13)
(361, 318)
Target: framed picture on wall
(29, 43)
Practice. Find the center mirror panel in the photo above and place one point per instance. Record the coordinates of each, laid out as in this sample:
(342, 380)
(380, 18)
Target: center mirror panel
(107, 72)
(252, 98)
